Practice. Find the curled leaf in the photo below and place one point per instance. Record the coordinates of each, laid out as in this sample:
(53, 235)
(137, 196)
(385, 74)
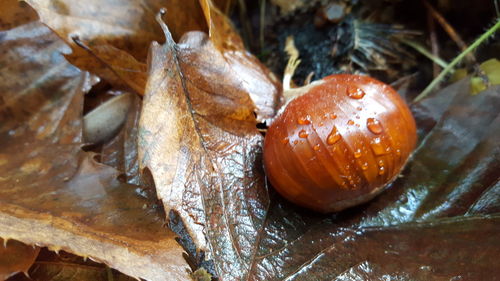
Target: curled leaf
(104, 121)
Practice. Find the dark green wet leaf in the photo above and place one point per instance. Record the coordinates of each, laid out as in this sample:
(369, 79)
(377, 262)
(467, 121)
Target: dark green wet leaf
(430, 224)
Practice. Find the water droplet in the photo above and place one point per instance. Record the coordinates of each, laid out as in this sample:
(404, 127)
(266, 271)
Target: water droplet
(374, 126)
(377, 146)
(316, 147)
(398, 152)
(333, 116)
(357, 153)
(295, 142)
(355, 93)
(304, 120)
(285, 141)
(303, 134)
(350, 122)
(381, 162)
(388, 149)
(359, 108)
(364, 166)
(381, 170)
(333, 137)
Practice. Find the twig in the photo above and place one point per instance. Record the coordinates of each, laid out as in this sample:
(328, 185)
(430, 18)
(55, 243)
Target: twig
(459, 58)
(434, 43)
(446, 26)
(247, 29)
(421, 49)
(262, 4)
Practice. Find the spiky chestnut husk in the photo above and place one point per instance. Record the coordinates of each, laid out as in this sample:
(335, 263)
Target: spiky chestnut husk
(339, 142)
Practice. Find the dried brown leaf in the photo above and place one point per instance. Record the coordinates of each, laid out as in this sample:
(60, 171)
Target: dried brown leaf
(51, 192)
(197, 136)
(258, 81)
(15, 257)
(111, 39)
(63, 266)
(14, 13)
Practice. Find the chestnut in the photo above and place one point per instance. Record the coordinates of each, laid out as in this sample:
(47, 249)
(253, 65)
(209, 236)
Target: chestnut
(339, 142)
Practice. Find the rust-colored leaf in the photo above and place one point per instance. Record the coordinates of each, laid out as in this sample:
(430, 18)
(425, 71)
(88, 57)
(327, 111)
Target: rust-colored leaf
(258, 81)
(51, 192)
(111, 39)
(63, 266)
(14, 13)
(197, 135)
(15, 257)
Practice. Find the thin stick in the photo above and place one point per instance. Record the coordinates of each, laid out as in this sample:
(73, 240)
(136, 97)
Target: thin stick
(421, 49)
(459, 58)
(434, 43)
(262, 22)
(446, 26)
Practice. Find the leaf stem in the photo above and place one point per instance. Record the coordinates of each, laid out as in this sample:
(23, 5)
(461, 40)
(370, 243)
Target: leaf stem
(455, 61)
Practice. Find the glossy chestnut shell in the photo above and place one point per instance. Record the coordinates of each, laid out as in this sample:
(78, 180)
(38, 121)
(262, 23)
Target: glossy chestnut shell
(340, 143)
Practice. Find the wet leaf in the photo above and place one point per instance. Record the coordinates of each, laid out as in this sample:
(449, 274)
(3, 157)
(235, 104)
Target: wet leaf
(401, 233)
(113, 42)
(51, 266)
(258, 81)
(15, 257)
(197, 136)
(121, 151)
(14, 13)
(51, 192)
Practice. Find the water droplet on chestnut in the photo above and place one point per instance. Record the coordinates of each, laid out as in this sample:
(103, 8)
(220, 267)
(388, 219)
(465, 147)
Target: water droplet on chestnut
(303, 134)
(355, 92)
(374, 126)
(333, 137)
(357, 153)
(304, 120)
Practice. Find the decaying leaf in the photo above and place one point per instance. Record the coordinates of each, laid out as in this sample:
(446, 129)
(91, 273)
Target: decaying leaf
(197, 135)
(14, 13)
(113, 42)
(121, 151)
(15, 257)
(62, 266)
(258, 81)
(51, 192)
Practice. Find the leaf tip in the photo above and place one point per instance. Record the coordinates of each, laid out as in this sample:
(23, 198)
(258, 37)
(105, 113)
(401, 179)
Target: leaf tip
(164, 27)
